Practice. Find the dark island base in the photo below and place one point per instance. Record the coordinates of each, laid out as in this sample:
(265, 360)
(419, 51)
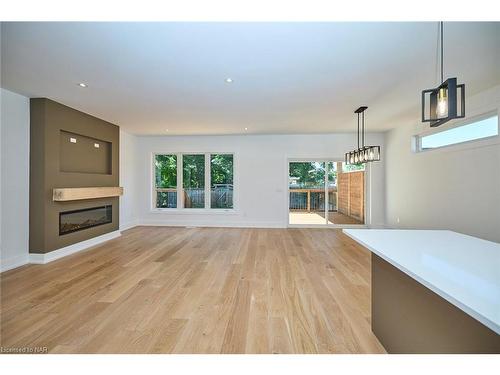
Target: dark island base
(407, 317)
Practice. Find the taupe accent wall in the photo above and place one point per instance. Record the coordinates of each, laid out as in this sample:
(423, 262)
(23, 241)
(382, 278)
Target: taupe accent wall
(55, 164)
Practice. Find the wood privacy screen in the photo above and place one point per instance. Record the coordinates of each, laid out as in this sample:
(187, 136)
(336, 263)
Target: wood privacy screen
(73, 194)
(351, 194)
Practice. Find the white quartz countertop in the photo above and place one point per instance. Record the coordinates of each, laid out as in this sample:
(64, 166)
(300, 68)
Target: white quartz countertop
(463, 270)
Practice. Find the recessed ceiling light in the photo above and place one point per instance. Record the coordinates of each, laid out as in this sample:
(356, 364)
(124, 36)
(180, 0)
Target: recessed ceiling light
(229, 80)
(81, 84)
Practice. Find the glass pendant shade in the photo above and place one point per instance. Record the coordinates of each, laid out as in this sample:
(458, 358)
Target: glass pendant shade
(442, 103)
(363, 155)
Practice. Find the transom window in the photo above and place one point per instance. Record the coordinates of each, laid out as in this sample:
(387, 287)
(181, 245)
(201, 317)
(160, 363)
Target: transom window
(479, 129)
(190, 181)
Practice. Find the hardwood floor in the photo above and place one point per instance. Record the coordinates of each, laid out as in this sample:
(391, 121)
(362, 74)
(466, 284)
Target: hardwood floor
(196, 290)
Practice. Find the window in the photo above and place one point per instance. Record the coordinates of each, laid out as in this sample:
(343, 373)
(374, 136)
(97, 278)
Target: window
(193, 181)
(484, 128)
(206, 181)
(221, 180)
(166, 181)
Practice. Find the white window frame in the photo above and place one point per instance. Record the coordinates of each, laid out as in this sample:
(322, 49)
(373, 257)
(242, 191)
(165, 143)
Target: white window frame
(417, 139)
(180, 175)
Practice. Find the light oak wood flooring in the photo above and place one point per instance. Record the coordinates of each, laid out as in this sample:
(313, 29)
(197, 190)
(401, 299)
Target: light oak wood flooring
(196, 290)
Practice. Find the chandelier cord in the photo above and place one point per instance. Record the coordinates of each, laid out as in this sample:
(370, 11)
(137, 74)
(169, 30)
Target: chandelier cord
(442, 51)
(358, 131)
(363, 129)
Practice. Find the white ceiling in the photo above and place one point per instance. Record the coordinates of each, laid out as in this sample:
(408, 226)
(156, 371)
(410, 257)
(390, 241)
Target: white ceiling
(288, 77)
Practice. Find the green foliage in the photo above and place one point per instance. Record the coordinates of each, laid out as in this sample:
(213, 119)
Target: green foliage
(353, 167)
(221, 171)
(166, 171)
(312, 174)
(193, 171)
(332, 174)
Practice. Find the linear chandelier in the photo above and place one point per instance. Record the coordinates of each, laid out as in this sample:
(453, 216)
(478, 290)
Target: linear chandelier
(362, 154)
(442, 101)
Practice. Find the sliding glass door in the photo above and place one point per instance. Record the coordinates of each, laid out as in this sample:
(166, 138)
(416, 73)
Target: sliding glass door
(325, 193)
(306, 185)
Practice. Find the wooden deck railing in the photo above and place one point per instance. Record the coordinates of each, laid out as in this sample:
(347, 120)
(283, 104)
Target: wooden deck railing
(220, 197)
(312, 199)
(301, 199)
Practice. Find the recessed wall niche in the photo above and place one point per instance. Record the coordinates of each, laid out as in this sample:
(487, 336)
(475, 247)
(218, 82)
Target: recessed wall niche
(81, 154)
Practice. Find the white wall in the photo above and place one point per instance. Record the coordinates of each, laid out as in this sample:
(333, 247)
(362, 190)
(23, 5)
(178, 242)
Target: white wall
(456, 188)
(260, 175)
(128, 180)
(15, 135)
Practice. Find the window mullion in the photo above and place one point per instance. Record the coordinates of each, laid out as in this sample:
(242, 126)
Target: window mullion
(327, 170)
(180, 176)
(155, 193)
(207, 181)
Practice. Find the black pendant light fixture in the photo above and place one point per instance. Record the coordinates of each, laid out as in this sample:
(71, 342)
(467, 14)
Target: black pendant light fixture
(362, 154)
(441, 103)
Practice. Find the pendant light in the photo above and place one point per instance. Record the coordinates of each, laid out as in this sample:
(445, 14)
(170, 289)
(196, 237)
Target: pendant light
(363, 154)
(442, 101)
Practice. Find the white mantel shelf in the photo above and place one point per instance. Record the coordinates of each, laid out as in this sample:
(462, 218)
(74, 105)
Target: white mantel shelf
(463, 270)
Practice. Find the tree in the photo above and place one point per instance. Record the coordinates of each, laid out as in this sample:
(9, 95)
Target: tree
(221, 171)
(166, 171)
(193, 171)
(312, 174)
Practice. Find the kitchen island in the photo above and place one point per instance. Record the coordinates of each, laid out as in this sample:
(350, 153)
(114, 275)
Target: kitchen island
(433, 291)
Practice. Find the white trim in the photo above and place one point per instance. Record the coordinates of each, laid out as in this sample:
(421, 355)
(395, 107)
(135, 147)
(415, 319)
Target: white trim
(162, 223)
(208, 181)
(11, 263)
(129, 225)
(71, 249)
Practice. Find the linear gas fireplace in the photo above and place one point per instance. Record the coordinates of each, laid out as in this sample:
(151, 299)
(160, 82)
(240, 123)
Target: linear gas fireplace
(72, 221)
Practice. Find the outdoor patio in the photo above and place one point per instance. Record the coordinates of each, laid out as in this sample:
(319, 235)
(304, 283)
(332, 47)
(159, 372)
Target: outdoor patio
(313, 218)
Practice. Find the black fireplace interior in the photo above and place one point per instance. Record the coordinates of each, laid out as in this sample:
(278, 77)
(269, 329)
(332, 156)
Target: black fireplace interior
(72, 221)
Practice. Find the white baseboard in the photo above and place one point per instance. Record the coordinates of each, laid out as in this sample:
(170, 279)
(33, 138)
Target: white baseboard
(128, 225)
(14, 262)
(161, 223)
(71, 249)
